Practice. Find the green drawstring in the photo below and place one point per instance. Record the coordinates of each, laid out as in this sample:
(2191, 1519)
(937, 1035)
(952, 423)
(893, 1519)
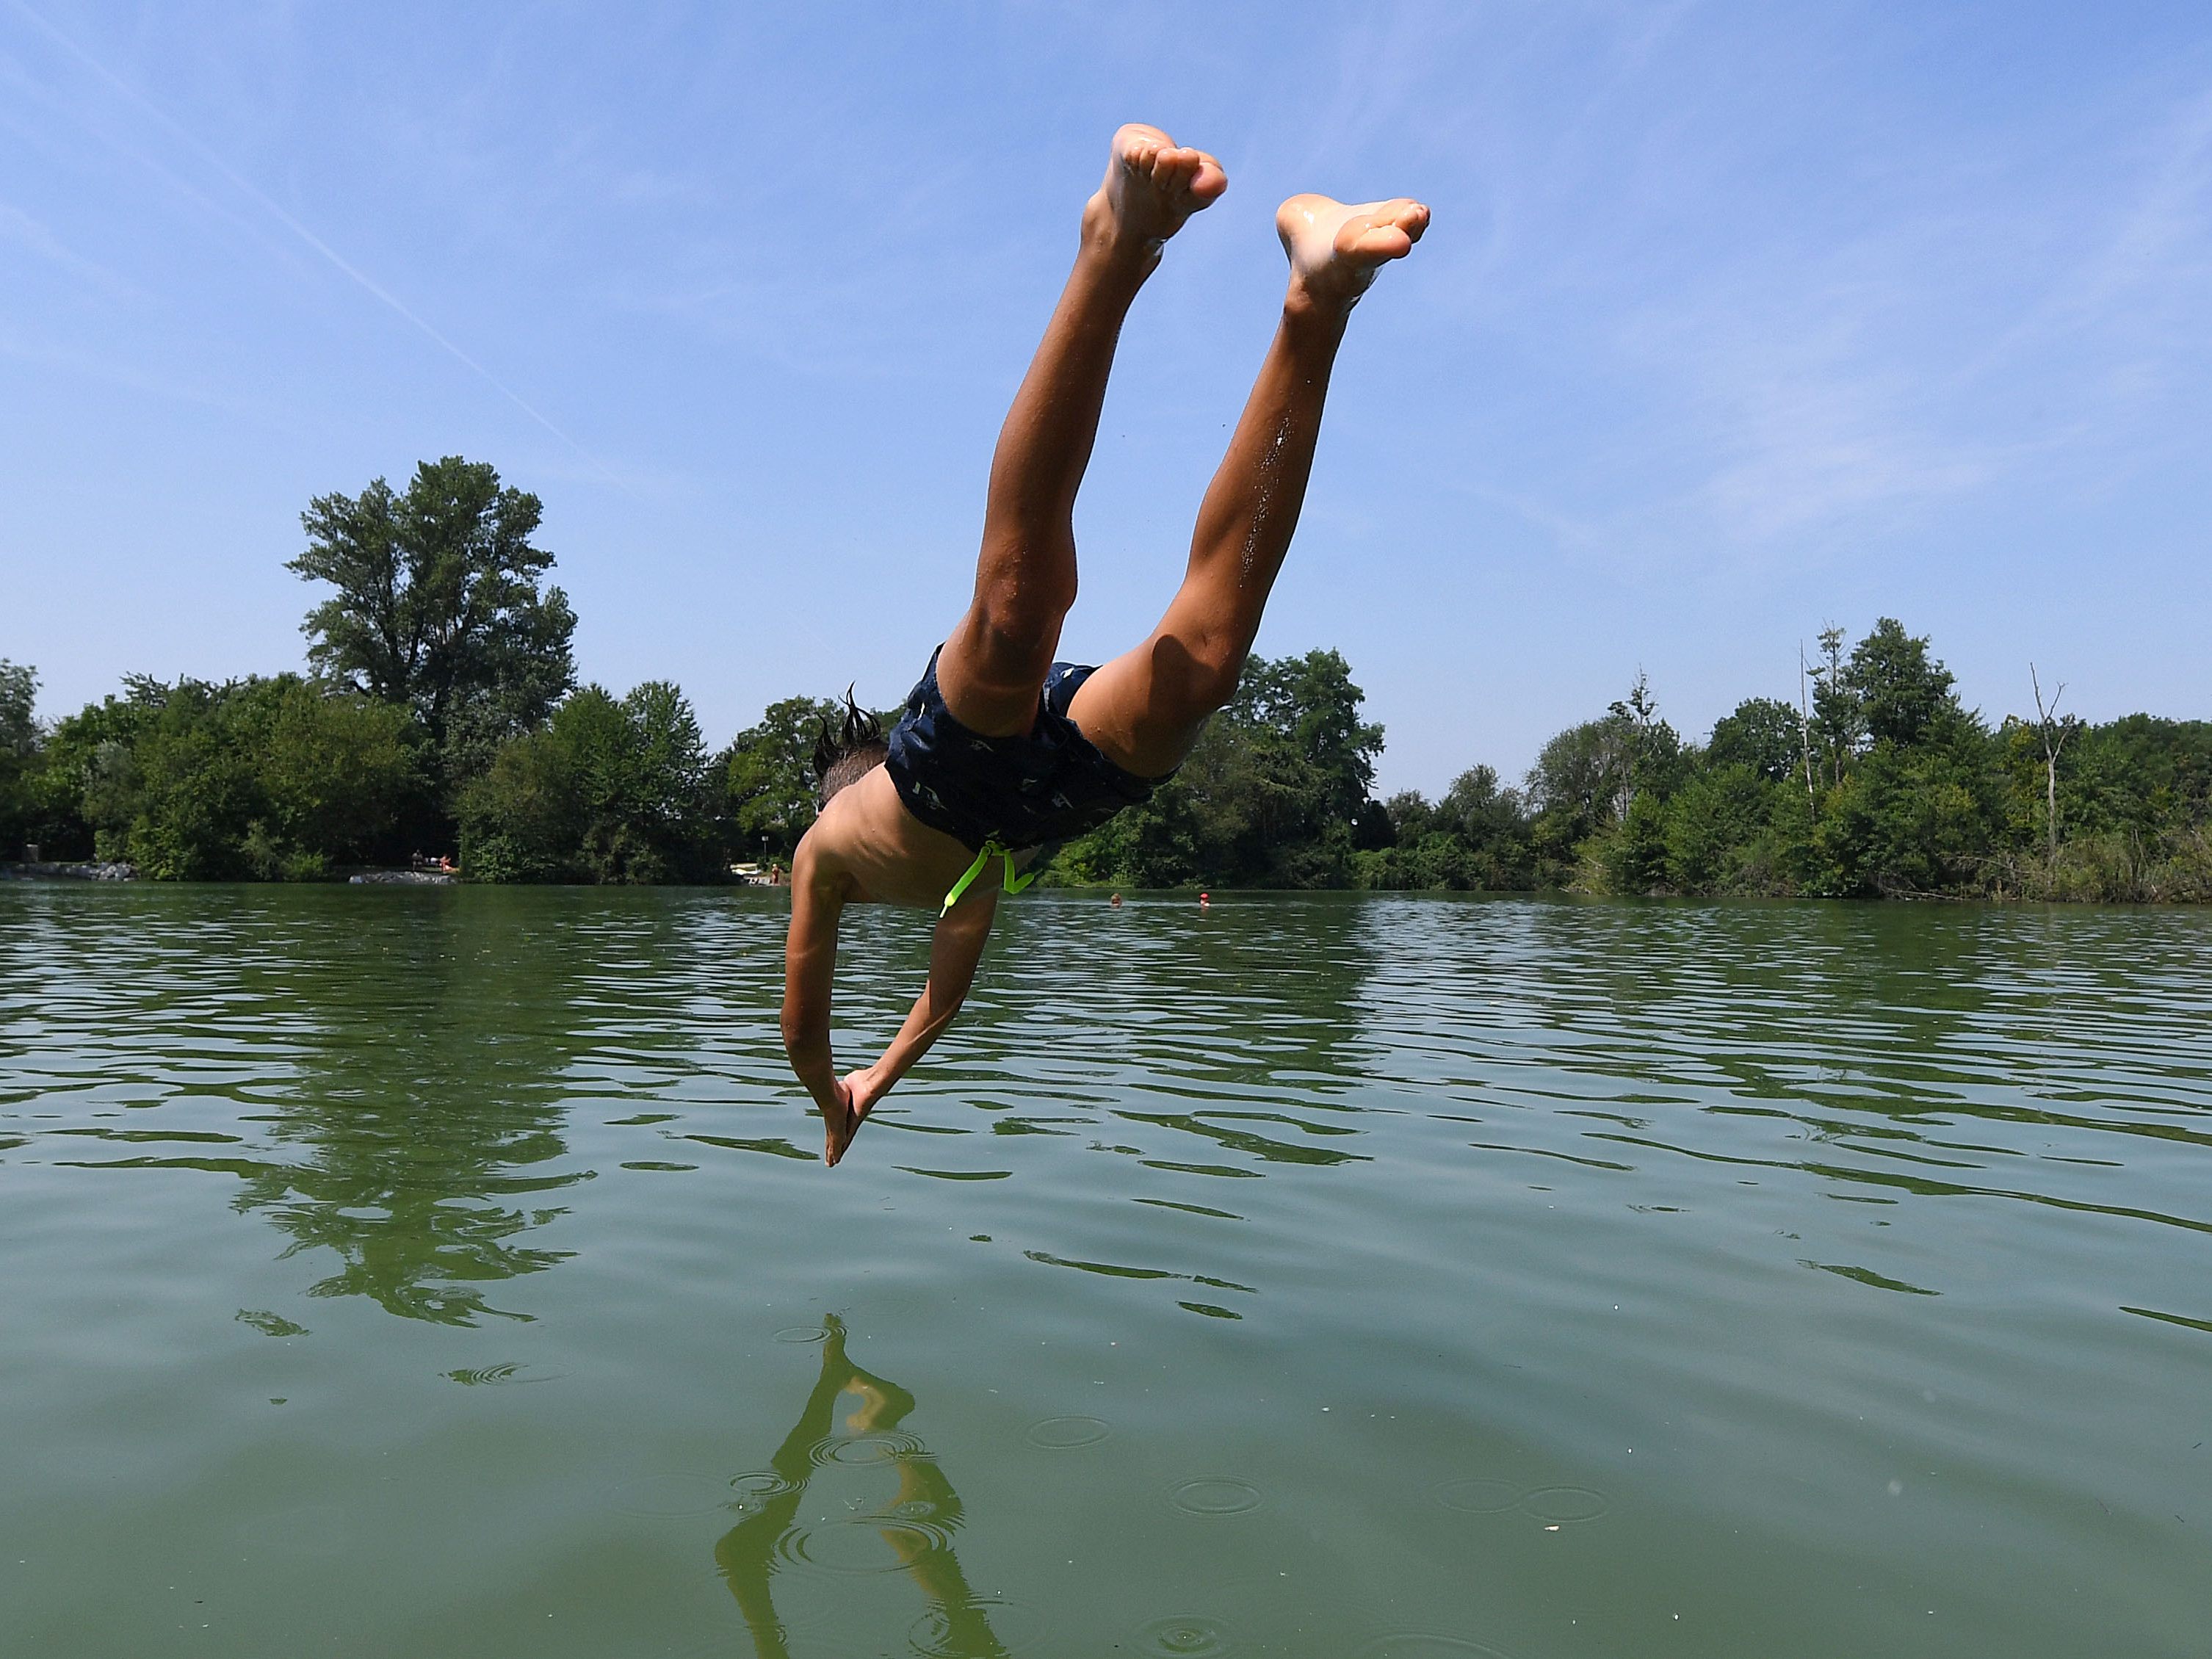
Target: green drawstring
(1010, 883)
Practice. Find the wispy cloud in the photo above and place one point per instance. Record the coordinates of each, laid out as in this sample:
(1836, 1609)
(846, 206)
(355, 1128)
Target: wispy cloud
(113, 370)
(306, 236)
(35, 237)
(1974, 324)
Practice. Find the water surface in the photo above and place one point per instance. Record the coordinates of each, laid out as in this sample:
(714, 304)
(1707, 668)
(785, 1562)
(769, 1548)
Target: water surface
(448, 1272)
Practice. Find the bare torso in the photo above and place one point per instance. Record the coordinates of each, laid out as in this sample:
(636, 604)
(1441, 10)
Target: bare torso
(881, 853)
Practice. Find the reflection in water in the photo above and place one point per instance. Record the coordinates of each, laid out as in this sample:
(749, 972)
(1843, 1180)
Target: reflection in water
(426, 1110)
(916, 1524)
(1769, 1253)
(399, 1087)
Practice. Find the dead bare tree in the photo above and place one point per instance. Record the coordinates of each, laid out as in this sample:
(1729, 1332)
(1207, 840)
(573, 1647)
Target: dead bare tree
(2054, 732)
(1805, 732)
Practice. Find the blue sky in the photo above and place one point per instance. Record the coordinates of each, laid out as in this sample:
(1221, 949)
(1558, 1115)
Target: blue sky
(1736, 319)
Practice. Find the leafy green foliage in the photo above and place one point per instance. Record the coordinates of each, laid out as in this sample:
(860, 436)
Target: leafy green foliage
(1912, 795)
(1714, 832)
(439, 607)
(18, 750)
(1762, 734)
(273, 779)
(1899, 689)
(1273, 795)
(766, 776)
(1883, 787)
(19, 725)
(1478, 836)
(611, 790)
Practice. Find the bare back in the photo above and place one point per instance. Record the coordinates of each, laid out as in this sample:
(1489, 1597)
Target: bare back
(881, 853)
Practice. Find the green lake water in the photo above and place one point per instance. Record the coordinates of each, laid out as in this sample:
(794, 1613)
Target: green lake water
(429, 1273)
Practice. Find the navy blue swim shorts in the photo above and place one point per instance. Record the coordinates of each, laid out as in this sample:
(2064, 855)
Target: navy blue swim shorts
(1050, 784)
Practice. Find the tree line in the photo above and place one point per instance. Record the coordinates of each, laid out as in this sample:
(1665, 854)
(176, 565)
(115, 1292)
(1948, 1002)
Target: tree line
(441, 710)
(1877, 782)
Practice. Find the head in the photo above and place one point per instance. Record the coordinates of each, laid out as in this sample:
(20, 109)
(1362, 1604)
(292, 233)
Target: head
(845, 752)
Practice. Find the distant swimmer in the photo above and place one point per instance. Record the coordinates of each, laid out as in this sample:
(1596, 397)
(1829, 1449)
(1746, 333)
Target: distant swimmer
(1001, 750)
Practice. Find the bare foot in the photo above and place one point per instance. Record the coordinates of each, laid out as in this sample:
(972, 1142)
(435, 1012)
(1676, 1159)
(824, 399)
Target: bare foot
(1153, 184)
(1336, 247)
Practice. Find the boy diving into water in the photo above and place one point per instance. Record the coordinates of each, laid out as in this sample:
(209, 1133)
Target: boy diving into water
(1002, 751)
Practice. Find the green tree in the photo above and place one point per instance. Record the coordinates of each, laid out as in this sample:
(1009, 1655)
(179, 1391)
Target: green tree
(610, 790)
(18, 724)
(1898, 688)
(1306, 711)
(1632, 856)
(438, 606)
(1412, 816)
(19, 751)
(1915, 819)
(1716, 829)
(1274, 793)
(1480, 810)
(275, 778)
(1584, 778)
(85, 761)
(767, 777)
(1762, 734)
(1586, 782)
(338, 772)
(1476, 837)
(2138, 774)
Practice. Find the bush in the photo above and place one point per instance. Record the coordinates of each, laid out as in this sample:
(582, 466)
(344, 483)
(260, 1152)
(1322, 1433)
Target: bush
(610, 791)
(279, 778)
(19, 753)
(1275, 793)
(1715, 832)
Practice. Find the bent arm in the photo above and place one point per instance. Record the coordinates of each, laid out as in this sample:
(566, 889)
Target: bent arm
(809, 964)
(955, 950)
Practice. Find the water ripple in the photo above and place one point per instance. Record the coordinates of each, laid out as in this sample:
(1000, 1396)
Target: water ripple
(1797, 1229)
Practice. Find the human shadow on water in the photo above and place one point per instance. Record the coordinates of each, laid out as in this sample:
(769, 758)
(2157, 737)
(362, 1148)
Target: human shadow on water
(917, 1525)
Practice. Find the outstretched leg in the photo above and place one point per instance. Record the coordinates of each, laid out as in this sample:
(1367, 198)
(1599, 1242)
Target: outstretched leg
(995, 660)
(1145, 708)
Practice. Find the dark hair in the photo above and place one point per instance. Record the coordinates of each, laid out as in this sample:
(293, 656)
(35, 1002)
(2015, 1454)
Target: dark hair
(842, 754)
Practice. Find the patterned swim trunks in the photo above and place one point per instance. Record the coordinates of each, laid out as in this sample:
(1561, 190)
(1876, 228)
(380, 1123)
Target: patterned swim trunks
(1051, 784)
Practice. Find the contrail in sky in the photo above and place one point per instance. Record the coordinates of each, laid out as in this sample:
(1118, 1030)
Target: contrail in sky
(359, 276)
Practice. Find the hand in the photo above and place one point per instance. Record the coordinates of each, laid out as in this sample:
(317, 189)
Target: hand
(839, 1122)
(864, 1088)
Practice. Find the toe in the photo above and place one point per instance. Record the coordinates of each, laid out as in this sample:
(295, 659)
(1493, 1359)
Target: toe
(1410, 217)
(1383, 242)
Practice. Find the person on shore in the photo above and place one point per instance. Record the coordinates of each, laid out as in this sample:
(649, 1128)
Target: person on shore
(1001, 750)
